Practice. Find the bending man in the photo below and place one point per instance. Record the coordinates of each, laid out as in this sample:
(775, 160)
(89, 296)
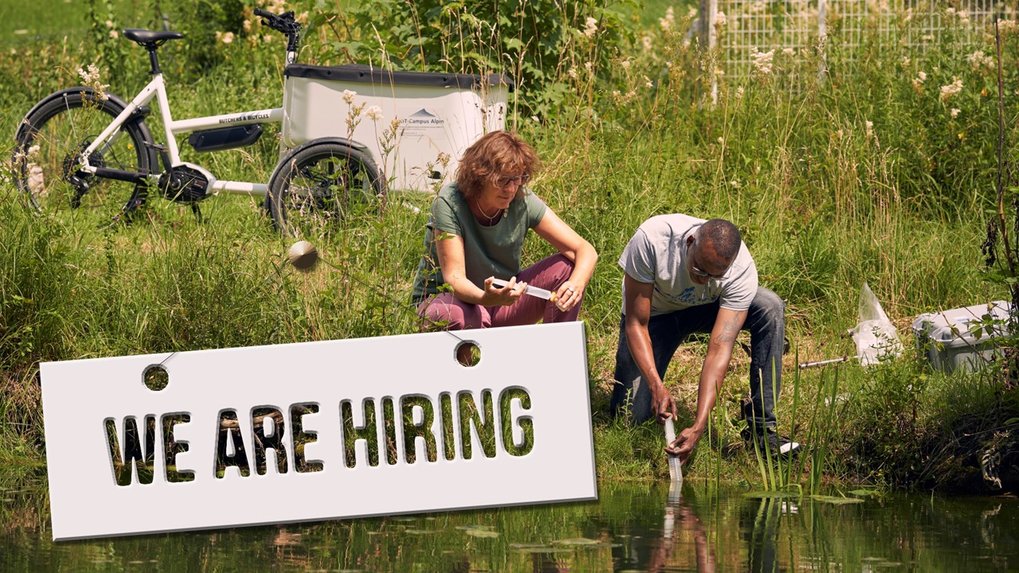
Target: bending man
(683, 276)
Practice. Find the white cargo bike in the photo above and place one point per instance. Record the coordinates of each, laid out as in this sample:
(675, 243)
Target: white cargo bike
(86, 150)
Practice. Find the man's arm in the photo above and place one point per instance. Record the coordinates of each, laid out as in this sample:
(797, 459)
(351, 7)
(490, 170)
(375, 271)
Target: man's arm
(637, 307)
(723, 338)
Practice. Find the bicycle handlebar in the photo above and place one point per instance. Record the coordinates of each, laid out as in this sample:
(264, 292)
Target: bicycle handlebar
(283, 23)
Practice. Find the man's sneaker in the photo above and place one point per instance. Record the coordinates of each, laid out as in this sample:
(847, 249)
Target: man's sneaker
(770, 443)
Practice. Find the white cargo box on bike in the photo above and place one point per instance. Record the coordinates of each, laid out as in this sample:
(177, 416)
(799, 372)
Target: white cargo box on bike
(439, 116)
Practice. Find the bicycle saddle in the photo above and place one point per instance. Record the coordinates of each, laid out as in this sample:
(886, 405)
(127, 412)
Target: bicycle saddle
(151, 37)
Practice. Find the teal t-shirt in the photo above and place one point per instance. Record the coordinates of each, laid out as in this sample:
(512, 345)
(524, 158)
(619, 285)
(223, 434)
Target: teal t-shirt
(488, 250)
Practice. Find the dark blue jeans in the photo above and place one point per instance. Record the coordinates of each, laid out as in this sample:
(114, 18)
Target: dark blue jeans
(766, 324)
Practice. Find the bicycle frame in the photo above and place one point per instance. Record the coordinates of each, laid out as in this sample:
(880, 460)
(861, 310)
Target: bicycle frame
(156, 88)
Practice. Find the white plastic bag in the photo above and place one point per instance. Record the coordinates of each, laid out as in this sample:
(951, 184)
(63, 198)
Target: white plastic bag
(875, 336)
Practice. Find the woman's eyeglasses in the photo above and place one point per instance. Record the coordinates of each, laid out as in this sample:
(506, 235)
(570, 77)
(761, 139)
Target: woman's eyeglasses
(518, 180)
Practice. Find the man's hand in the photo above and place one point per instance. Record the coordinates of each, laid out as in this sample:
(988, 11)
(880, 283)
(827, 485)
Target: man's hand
(684, 443)
(662, 403)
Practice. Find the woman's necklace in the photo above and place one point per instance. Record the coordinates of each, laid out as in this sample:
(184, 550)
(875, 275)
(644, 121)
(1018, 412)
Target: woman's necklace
(491, 218)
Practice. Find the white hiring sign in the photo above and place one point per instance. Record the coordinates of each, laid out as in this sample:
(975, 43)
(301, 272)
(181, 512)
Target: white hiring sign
(317, 430)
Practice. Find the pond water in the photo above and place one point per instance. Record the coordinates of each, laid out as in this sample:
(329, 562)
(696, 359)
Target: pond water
(633, 527)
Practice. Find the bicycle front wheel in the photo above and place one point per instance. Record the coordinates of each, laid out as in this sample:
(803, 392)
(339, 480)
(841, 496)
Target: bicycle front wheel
(317, 187)
(48, 153)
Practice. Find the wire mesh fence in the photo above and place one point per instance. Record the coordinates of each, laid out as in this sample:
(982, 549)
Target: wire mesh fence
(744, 30)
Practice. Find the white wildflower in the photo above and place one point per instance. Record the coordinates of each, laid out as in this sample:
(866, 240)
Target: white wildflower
(869, 128)
(109, 23)
(720, 19)
(348, 96)
(735, 184)
(374, 113)
(246, 25)
(739, 92)
(978, 60)
(955, 112)
(590, 27)
(646, 42)
(762, 61)
(789, 51)
(951, 90)
(572, 72)
(36, 180)
(906, 61)
(1007, 26)
(227, 37)
(918, 81)
(90, 74)
(625, 64)
(114, 34)
(757, 7)
(669, 19)
(90, 77)
(648, 83)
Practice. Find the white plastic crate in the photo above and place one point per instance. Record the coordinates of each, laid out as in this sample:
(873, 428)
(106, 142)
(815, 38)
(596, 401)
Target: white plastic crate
(439, 115)
(948, 339)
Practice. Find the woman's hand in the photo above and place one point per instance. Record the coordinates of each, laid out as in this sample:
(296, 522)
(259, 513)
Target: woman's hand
(509, 294)
(568, 295)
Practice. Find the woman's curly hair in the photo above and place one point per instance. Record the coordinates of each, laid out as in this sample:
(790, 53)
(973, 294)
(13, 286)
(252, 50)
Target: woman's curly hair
(496, 154)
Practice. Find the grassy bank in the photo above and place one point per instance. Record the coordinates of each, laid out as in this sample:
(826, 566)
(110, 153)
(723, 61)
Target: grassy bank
(866, 176)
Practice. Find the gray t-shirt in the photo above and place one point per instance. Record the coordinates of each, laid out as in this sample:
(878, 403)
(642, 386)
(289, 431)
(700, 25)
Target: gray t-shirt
(657, 254)
(488, 250)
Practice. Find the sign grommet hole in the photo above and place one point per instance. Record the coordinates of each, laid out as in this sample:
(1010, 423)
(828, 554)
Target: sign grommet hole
(155, 377)
(467, 353)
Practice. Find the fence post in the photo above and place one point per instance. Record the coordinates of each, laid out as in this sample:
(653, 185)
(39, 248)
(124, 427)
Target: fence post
(709, 39)
(822, 39)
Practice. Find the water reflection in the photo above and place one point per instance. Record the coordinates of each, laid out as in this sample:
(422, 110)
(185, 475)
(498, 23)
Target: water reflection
(634, 527)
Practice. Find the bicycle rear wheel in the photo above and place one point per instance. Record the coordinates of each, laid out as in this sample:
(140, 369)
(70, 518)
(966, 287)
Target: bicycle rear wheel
(49, 146)
(317, 187)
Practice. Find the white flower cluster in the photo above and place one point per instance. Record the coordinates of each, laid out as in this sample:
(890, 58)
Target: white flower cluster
(590, 27)
(762, 61)
(951, 90)
(669, 19)
(978, 60)
(90, 77)
(918, 81)
(374, 113)
(961, 14)
(720, 20)
(348, 96)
